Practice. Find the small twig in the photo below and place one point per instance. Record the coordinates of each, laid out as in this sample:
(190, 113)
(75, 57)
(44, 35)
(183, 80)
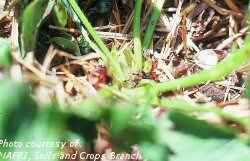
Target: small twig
(223, 11)
(7, 11)
(38, 74)
(51, 53)
(90, 92)
(188, 9)
(105, 35)
(87, 57)
(232, 38)
(128, 23)
(231, 4)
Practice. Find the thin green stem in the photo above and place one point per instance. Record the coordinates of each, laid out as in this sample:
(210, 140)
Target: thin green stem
(216, 73)
(137, 36)
(114, 64)
(89, 27)
(153, 21)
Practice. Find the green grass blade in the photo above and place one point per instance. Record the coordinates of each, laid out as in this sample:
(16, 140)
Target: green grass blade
(153, 21)
(137, 36)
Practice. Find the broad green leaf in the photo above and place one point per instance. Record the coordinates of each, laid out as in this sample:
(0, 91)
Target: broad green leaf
(5, 52)
(67, 42)
(191, 125)
(24, 2)
(31, 21)
(89, 109)
(16, 108)
(154, 152)
(132, 125)
(191, 148)
(46, 126)
(22, 121)
(60, 15)
(83, 127)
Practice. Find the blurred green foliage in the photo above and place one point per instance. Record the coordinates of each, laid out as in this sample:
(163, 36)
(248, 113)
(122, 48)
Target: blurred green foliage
(129, 123)
(203, 129)
(176, 136)
(31, 20)
(5, 52)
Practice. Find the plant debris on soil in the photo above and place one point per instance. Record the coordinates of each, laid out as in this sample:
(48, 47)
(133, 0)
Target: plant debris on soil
(62, 63)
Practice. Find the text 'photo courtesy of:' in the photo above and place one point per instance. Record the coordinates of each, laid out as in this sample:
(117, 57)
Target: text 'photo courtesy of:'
(124, 80)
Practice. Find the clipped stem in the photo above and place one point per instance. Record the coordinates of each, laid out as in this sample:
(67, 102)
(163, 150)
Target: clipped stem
(111, 60)
(214, 74)
(137, 36)
(152, 24)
